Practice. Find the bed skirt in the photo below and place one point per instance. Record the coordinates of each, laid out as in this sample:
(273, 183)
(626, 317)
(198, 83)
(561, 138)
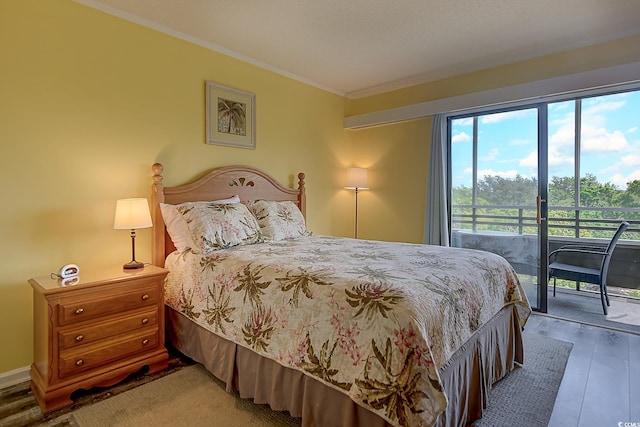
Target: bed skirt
(467, 377)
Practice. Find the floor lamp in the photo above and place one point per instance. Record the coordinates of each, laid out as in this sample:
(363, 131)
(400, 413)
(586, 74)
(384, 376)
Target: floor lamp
(357, 180)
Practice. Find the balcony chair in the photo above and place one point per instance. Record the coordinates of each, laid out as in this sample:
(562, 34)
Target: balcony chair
(598, 276)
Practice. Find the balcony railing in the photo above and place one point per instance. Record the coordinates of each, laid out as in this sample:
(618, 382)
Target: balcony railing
(512, 231)
(579, 223)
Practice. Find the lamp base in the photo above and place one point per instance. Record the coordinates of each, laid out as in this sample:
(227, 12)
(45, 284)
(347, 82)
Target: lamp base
(132, 265)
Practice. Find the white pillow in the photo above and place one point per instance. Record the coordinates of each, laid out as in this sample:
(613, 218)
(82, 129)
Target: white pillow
(177, 226)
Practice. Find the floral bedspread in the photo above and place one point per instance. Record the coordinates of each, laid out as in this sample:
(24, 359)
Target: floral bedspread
(373, 319)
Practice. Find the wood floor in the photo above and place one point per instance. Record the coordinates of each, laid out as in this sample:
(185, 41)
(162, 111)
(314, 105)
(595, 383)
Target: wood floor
(601, 385)
(600, 388)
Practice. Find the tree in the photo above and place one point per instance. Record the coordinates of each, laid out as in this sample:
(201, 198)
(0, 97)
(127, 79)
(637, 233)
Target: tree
(595, 194)
(562, 191)
(630, 198)
(497, 190)
(461, 195)
(231, 117)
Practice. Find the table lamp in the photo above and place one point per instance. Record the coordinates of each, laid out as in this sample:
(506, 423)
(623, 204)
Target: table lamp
(132, 214)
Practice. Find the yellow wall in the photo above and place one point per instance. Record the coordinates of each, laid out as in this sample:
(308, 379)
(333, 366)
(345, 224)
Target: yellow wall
(89, 102)
(396, 157)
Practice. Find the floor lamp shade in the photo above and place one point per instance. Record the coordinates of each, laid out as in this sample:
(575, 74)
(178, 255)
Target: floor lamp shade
(132, 214)
(356, 180)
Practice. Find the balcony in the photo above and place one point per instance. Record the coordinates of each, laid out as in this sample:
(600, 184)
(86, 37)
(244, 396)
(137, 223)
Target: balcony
(511, 231)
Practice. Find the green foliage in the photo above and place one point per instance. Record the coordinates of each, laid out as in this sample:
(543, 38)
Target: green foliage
(521, 191)
(563, 193)
(497, 190)
(595, 194)
(631, 196)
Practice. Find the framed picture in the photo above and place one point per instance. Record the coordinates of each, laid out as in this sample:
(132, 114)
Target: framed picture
(231, 116)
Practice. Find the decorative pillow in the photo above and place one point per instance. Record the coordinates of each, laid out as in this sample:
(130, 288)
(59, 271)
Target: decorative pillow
(177, 226)
(218, 226)
(278, 220)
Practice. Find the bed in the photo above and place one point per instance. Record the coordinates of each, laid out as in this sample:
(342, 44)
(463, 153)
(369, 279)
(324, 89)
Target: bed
(336, 331)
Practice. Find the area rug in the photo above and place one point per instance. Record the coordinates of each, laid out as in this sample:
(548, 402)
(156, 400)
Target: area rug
(525, 397)
(190, 397)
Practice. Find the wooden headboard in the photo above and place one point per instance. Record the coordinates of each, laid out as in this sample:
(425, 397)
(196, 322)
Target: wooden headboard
(247, 182)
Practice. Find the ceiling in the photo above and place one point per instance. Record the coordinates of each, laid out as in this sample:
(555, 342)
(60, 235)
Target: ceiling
(361, 47)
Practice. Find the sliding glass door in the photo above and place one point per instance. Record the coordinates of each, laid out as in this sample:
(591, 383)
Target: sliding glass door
(498, 181)
(580, 154)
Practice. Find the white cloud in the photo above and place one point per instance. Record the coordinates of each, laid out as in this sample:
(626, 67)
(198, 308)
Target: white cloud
(555, 159)
(531, 161)
(596, 112)
(463, 122)
(594, 135)
(461, 137)
(567, 119)
(621, 181)
(504, 174)
(597, 139)
(632, 130)
(597, 106)
(623, 166)
(563, 136)
(631, 160)
(493, 153)
(498, 117)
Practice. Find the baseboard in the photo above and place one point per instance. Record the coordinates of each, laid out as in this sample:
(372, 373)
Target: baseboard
(17, 376)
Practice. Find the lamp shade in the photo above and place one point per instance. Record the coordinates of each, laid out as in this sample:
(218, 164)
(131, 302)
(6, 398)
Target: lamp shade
(132, 214)
(357, 178)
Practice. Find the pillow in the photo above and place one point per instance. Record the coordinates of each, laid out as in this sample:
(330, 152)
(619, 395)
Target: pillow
(278, 220)
(177, 226)
(218, 226)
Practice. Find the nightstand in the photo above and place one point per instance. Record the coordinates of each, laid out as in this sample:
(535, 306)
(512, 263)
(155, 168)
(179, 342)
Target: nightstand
(96, 331)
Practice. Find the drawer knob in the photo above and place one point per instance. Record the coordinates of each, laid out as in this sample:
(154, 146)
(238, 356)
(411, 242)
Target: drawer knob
(145, 342)
(145, 321)
(80, 310)
(79, 338)
(79, 362)
(145, 297)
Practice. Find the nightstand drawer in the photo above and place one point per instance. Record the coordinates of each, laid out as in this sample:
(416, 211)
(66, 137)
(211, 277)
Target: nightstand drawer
(85, 335)
(74, 362)
(106, 303)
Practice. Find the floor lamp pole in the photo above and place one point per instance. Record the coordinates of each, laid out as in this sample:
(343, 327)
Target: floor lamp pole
(356, 228)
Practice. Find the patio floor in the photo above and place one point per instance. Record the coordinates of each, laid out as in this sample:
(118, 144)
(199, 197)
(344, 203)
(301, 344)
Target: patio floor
(585, 307)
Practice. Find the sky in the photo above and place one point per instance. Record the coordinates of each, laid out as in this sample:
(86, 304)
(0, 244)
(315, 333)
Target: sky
(507, 142)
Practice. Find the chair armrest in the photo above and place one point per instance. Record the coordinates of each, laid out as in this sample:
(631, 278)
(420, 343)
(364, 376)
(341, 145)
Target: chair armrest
(589, 247)
(589, 250)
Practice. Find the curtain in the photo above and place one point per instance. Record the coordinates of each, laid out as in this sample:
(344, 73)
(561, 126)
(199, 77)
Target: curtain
(436, 227)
